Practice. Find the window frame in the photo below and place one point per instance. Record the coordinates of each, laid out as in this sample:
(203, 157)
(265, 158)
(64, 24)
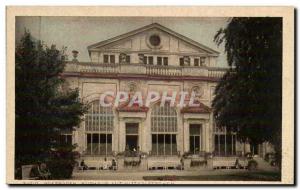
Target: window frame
(65, 136)
(196, 62)
(164, 122)
(99, 120)
(159, 61)
(219, 135)
(109, 58)
(105, 58)
(181, 61)
(165, 61)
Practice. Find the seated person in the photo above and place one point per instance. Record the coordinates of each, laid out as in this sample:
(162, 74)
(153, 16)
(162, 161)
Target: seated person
(83, 165)
(105, 164)
(44, 172)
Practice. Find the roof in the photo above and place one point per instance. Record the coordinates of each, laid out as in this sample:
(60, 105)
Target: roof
(151, 26)
(196, 109)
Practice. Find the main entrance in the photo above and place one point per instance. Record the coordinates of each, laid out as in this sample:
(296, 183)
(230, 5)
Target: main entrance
(132, 131)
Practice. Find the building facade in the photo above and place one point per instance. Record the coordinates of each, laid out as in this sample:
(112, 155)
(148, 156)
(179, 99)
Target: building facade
(151, 58)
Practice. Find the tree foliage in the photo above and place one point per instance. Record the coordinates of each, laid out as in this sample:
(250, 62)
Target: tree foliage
(248, 97)
(43, 111)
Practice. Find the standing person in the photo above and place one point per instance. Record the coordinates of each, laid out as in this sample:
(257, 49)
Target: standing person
(114, 164)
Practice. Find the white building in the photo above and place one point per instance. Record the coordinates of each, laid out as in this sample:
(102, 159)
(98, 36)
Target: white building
(151, 58)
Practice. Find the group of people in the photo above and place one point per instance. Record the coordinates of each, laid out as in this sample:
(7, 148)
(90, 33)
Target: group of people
(112, 165)
(40, 171)
(106, 165)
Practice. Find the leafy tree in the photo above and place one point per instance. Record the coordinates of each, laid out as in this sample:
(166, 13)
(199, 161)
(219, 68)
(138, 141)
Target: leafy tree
(43, 110)
(248, 97)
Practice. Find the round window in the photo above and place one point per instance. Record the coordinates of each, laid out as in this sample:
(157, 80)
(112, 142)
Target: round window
(154, 40)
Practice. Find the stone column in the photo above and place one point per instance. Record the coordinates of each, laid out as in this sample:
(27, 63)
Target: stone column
(207, 136)
(115, 135)
(186, 131)
(121, 138)
(203, 136)
(147, 133)
(180, 132)
(211, 133)
(140, 134)
(143, 135)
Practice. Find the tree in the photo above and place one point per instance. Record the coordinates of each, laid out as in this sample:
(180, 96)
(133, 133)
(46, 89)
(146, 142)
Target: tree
(248, 97)
(43, 111)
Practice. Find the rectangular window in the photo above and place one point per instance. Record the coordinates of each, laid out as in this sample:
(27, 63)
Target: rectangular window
(145, 60)
(150, 60)
(164, 144)
(66, 139)
(89, 144)
(105, 58)
(202, 61)
(222, 145)
(112, 59)
(165, 61)
(99, 144)
(159, 60)
(181, 61)
(196, 62)
(127, 58)
(225, 144)
(95, 144)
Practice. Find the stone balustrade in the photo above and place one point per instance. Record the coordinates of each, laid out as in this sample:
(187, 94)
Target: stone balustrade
(141, 69)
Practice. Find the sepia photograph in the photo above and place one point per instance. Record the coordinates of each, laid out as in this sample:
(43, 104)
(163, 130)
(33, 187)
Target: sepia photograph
(150, 99)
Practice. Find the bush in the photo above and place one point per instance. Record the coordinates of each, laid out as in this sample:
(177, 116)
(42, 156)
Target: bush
(61, 162)
(252, 165)
(61, 168)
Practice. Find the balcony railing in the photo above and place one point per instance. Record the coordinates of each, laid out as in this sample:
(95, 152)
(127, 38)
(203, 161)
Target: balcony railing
(151, 70)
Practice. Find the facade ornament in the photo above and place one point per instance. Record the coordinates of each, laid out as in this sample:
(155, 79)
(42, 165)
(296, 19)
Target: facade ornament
(122, 58)
(154, 41)
(75, 55)
(198, 92)
(187, 61)
(132, 87)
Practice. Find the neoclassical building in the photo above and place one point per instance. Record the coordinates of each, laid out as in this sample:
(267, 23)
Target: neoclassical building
(151, 58)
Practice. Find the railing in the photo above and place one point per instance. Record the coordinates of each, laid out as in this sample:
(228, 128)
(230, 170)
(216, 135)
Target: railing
(160, 70)
(150, 70)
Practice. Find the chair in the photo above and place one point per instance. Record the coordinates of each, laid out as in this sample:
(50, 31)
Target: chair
(26, 169)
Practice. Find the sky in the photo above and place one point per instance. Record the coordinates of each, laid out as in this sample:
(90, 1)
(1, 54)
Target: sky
(76, 33)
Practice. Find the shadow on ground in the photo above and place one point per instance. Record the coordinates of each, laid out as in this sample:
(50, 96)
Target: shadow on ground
(247, 176)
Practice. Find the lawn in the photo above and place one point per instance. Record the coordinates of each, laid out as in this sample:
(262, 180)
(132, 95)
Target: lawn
(241, 176)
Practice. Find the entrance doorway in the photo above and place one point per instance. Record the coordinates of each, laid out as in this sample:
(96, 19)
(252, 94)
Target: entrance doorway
(195, 138)
(132, 131)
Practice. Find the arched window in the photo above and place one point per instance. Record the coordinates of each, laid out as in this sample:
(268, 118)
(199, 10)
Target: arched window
(164, 130)
(98, 128)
